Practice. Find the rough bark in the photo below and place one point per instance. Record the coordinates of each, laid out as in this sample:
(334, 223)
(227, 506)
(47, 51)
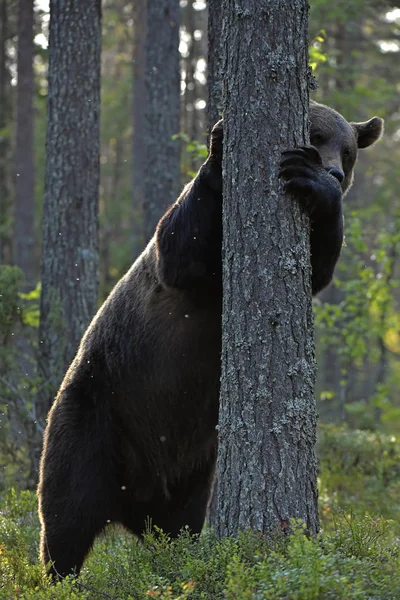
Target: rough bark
(138, 110)
(24, 255)
(162, 105)
(214, 113)
(267, 424)
(70, 215)
(214, 63)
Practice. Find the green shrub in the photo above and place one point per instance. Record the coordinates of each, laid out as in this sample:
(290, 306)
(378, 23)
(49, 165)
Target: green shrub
(360, 470)
(10, 312)
(19, 314)
(357, 556)
(356, 560)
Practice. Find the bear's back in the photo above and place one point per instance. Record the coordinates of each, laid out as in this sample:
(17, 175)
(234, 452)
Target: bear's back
(151, 358)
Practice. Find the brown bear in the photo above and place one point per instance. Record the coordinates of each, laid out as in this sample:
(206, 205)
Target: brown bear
(132, 432)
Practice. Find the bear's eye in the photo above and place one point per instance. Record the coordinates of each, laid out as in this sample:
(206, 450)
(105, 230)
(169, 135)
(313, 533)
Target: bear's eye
(346, 152)
(316, 138)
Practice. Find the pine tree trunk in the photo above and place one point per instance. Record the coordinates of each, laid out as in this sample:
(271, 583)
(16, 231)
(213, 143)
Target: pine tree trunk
(162, 111)
(70, 213)
(215, 54)
(191, 91)
(267, 424)
(24, 255)
(214, 63)
(138, 110)
(5, 118)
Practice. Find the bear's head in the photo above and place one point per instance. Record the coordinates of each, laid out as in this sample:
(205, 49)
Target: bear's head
(338, 141)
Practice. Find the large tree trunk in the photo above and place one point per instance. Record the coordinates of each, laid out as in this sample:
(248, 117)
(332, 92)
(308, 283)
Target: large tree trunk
(24, 255)
(162, 111)
(267, 424)
(215, 53)
(70, 214)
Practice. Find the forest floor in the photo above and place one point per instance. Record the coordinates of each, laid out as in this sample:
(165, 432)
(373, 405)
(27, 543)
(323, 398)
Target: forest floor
(356, 555)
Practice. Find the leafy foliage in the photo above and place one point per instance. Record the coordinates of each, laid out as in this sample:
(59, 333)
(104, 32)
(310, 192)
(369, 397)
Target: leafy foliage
(316, 54)
(10, 281)
(18, 426)
(360, 472)
(362, 329)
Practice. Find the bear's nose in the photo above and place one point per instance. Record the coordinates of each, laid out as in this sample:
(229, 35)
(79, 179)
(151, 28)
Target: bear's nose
(335, 172)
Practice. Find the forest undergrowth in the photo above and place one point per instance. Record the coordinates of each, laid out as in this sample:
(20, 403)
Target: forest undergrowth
(356, 555)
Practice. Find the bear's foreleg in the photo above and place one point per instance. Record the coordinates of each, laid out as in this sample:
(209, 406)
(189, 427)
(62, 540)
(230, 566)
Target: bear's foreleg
(320, 194)
(189, 236)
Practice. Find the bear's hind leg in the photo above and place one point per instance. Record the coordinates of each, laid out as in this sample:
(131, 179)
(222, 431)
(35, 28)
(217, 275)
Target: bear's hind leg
(66, 541)
(192, 514)
(186, 506)
(77, 493)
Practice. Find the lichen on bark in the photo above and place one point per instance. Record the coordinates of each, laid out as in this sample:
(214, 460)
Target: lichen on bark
(267, 424)
(69, 265)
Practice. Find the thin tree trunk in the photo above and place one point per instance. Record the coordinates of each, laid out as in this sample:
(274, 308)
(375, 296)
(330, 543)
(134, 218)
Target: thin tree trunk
(162, 111)
(185, 67)
(201, 80)
(70, 217)
(190, 77)
(5, 118)
(24, 255)
(214, 63)
(139, 109)
(267, 423)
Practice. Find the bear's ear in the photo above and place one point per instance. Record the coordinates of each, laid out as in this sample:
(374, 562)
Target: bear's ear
(368, 132)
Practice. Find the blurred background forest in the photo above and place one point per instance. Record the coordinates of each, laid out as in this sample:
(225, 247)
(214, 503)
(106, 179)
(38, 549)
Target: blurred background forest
(355, 53)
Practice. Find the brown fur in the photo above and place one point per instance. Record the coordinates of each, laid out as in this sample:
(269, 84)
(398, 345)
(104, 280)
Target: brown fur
(132, 432)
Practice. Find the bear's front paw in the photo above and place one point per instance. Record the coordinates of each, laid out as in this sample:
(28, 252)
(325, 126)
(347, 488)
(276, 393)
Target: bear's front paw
(306, 178)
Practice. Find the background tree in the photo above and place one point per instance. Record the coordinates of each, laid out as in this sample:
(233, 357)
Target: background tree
(214, 63)
(193, 60)
(116, 188)
(139, 110)
(5, 132)
(24, 203)
(162, 111)
(267, 423)
(70, 213)
(193, 51)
